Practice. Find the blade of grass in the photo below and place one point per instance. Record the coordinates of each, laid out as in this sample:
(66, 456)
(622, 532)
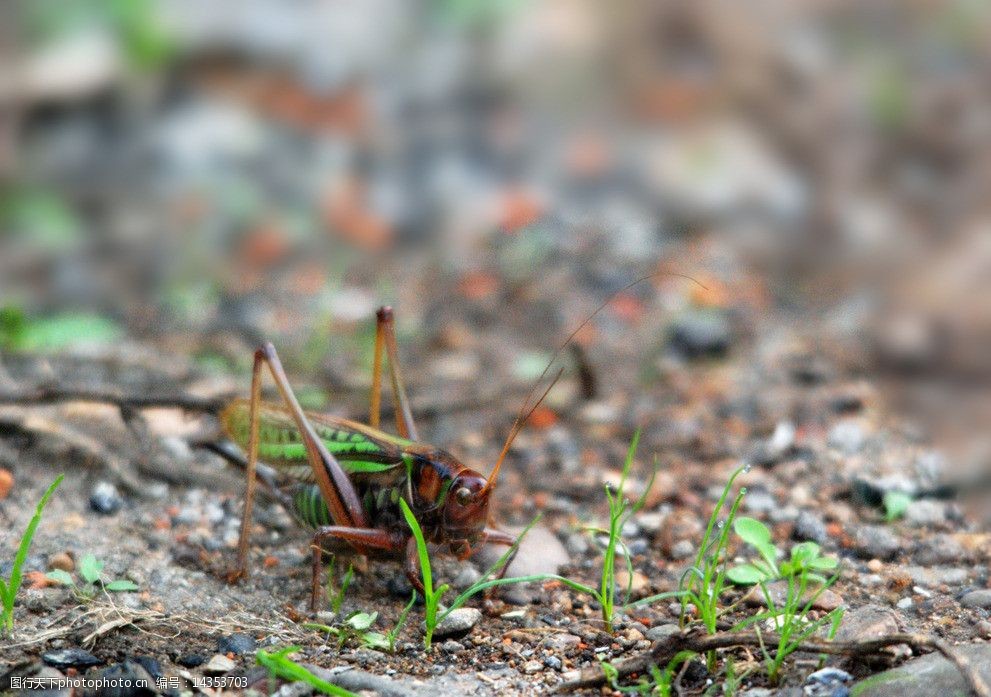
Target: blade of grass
(14, 583)
(281, 666)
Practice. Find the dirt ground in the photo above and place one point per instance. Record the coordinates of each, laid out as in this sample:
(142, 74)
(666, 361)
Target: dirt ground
(822, 438)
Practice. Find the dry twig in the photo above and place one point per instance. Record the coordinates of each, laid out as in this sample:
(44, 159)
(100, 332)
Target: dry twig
(665, 649)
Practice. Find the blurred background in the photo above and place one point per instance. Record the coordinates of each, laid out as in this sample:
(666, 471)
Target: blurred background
(181, 179)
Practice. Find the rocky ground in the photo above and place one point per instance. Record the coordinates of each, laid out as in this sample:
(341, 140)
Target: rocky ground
(822, 440)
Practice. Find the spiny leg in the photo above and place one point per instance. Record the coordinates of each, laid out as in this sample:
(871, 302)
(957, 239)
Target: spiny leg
(385, 333)
(364, 537)
(335, 487)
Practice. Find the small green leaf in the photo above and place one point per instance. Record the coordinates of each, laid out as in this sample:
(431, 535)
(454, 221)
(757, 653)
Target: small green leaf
(362, 620)
(895, 504)
(376, 640)
(804, 552)
(60, 577)
(752, 531)
(746, 574)
(823, 563)
(90, 568)
(121, 585)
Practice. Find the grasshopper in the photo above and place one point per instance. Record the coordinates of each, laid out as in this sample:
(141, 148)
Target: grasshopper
(344, 479)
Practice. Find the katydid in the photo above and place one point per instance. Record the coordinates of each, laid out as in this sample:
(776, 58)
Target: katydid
(345, 479)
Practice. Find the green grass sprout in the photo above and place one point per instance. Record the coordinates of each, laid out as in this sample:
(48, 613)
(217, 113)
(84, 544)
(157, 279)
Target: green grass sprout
(10, 586)
(280, 665)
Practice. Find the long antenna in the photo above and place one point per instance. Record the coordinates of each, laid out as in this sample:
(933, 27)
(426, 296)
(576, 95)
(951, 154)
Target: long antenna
(525, 413)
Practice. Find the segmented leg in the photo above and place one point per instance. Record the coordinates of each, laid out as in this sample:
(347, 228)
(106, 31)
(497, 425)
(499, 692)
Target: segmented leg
(385, 337)
(498, 537)
(335, 487)
(364, 537)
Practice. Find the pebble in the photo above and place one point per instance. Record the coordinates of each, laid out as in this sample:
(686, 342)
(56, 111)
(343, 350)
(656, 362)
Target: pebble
(940, 549)
(105, 499)
(70, 658)
(847, 436)
(868, 622)
(905, 603)
(294, 689)
(701, 334)
(577, 545)
(237, 643)
(876, 542)
(928, 676)
(759, 501)
(219, 663)
(663, 631)
(810, 526)
(778, 590)
(924, 512)
(637, 584)
(827, 682)
(451, 646)
(683, 549)
(468, 576)
(539, 553)
(979, 598)
(553, 662)
(531, 667)
(458, 623)
(61, 561)
(563, 643)
(6, 483)
(191, 660)
(932, 577)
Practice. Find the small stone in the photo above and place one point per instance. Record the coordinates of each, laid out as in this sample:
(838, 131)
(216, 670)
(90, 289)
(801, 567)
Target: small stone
(979, 598)
(810, 526)
(759, 500)
(827, 600)
(875, 565)
(553, 662)
(237, 643)
(931, 577)
(539, 553)
(127, 679)
(904, 603)
(701, 334)
(70, 658)
(531, 667)
(105, 499)
(683, 549)
(562, 643)
(637, 583)
(876, 542)
(451, 646)
(219, 663)
(458, 623)
(924, 512)
(928, 675)
(6, 483)
(828, 682)
(577, 545)
(847, 436)
(940, 549)
(467, 577)
(191, 660)
(62, 562)
(663, 631)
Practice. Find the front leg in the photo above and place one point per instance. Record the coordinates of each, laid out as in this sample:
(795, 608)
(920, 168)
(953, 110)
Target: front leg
(498, 537)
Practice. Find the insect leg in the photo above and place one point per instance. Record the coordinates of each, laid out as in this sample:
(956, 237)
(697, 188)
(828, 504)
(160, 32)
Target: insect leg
(376, 398)
(363, 537)
(335, 487)
(386, 332)
(411, 566)
(498, 537)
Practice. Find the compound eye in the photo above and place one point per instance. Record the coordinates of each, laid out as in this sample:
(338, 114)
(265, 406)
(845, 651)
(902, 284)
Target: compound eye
(463, 495)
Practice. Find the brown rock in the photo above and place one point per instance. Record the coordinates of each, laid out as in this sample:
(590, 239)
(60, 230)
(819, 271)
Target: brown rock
(61, 561)
(6, 483)
(778, 590)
